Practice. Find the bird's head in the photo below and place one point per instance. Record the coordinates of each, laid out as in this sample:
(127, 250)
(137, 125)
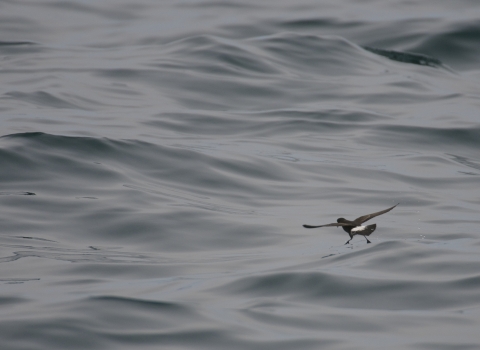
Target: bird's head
(341, 220)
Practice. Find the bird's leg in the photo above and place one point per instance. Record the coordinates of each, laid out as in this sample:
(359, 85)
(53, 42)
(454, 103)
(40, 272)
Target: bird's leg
(349, 240)
(367, 239)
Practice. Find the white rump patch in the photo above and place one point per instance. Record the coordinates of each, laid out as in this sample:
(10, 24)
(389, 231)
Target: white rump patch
(359, 229)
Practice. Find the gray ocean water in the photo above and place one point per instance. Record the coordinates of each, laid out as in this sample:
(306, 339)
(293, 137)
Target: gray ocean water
(158, 161)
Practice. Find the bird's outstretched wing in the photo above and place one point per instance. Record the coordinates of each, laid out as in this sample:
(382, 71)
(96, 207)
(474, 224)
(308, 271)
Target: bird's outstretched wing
(367, 217)
(333, 224)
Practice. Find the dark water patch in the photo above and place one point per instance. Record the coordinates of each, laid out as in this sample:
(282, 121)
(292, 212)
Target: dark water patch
(8, 300)
(318, 22)
(468, 173)
(454, 43)
(18, 280)
(468, 283)
(428, 137)
(35, 238)
(17, 49)
(116, 303)
(447, 39)
(3, 193)
(16, 43)
(406, 57)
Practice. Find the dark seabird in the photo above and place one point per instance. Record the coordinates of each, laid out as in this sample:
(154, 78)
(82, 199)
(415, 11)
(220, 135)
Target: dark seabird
(355, 227)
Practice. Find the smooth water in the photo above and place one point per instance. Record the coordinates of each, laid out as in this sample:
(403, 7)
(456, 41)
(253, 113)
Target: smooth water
(158, 160)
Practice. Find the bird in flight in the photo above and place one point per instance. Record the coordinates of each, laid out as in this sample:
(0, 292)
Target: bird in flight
(355, 227)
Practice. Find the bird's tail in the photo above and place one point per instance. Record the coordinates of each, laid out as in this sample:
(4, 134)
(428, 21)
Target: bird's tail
(369, 229)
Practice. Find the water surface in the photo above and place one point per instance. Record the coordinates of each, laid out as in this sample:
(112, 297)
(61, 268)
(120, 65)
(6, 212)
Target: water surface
(158, 162)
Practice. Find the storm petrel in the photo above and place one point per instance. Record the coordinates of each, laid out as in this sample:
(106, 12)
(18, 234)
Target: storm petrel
(355, 227)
